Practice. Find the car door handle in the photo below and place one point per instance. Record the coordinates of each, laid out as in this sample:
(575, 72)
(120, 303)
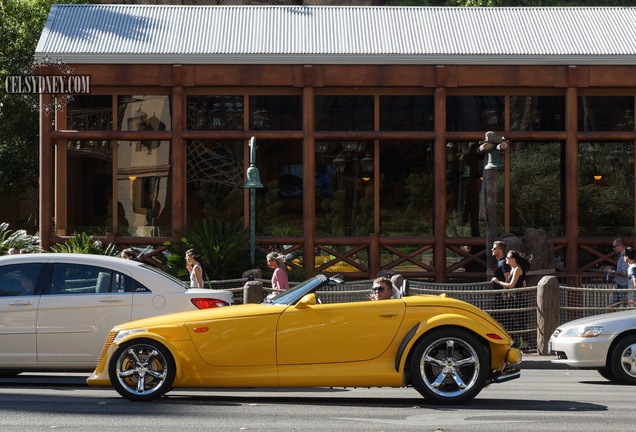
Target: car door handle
(389, 315)
(20, 303)
(110, 300)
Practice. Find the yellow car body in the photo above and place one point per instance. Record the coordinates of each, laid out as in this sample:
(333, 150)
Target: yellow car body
(447, 349)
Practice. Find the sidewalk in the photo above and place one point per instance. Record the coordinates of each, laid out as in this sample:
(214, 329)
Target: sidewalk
(535, 361)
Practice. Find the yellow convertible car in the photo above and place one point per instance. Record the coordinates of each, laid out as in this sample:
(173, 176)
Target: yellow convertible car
(447, 349)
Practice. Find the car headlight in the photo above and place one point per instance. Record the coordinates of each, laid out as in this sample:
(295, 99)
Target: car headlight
(583, 332)
(122, 334)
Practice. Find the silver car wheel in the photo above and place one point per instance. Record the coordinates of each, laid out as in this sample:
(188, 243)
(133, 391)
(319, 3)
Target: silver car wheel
(449, 367)
(628, 360)
(142, 370)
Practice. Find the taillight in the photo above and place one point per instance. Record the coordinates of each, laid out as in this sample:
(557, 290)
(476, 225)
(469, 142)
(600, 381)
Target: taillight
(208, 303)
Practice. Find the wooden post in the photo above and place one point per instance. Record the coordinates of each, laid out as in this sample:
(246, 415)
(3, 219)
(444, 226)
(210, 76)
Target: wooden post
(178, 152)
(547, 311)
(46, 172)
(253, 292)
(309, 169)
(439, 180)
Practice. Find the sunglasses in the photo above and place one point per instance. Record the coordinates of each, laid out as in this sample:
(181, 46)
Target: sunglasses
(379, 289)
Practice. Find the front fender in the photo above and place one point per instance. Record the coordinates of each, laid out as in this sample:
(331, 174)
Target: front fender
(100, 377)
(475, 324)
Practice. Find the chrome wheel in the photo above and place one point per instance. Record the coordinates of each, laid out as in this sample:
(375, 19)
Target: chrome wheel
(449, 366)
(142, 370)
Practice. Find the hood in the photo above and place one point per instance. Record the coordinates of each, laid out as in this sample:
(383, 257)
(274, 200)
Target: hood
(611, 322)
(203, 315)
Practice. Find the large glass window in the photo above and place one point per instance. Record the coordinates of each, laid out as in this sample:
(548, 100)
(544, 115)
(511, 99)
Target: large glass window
(214, 112)
(606, 113)
(606, 189)
(276, 113)
(535, 113)
(90, 187)
(88, 112)
(406, 188)
(280, 203)
(464, 172)
(215, 180)
(144, 113)
(344, 113)
(475, 113)
(406, 113)
(344, 188)
(536, 187)
(144, 188)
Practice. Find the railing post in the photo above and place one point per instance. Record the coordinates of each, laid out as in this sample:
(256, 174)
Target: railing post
(253, 292)
(547, 311)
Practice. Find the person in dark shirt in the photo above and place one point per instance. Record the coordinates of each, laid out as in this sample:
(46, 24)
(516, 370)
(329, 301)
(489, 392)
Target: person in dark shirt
(502, 269)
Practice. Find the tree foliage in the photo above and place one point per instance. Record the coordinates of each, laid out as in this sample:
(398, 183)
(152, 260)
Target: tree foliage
(21, 23)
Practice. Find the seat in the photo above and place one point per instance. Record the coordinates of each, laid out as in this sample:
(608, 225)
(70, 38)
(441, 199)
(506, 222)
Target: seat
(103, 283)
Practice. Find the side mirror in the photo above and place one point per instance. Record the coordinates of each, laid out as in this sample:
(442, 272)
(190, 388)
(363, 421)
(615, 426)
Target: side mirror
(306, 301)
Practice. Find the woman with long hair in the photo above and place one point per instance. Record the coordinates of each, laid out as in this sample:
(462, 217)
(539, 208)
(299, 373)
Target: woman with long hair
(280, 280)
(194, 264)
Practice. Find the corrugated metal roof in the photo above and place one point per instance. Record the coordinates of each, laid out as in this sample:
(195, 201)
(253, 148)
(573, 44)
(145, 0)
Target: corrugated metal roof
(339, 34)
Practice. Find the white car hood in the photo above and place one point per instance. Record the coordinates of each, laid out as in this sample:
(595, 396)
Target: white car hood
(611, 322)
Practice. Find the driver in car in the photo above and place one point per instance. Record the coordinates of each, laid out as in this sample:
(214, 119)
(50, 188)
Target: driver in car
(383, 289)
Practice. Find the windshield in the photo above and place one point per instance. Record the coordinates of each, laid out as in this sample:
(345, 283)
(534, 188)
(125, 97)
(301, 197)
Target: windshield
(292, 295)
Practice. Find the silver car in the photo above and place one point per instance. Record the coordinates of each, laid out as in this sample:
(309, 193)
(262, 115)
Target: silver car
(605, 342)
(56, 309)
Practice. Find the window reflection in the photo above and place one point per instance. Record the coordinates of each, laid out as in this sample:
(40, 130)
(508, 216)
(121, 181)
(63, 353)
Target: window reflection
(90, 187)
(344, 188)
(536, 187)
(344, 113)
(464, 172)
(406, 188)
(143, 188)
(606, 189)
(535, 113)
(144, 113)
(214, 112)
(406, 113)
(280, 203)
(276, 113)
(214, 180)
(475, 113)
(87, 112)
(606, 113)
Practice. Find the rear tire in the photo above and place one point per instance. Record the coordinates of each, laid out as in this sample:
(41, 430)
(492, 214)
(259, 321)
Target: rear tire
(142, 370)
(449, 366)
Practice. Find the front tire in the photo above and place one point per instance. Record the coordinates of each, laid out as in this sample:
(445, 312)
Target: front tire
(623, 360)
(449, 366)
(142, 370)
(606, 373)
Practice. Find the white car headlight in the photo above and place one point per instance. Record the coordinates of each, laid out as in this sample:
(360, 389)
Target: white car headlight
(590, 331)
(122, 334)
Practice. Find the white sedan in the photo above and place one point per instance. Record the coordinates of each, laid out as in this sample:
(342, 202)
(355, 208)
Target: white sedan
(56, 309)
(605, 342)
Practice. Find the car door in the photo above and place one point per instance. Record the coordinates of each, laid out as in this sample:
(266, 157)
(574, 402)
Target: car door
(80, 307)
(18, 312)
(338, 332)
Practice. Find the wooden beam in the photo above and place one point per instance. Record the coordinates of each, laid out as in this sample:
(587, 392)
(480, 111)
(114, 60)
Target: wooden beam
(439, 180)
(46, 172)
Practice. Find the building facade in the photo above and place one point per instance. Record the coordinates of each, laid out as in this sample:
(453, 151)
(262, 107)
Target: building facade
(367, 121)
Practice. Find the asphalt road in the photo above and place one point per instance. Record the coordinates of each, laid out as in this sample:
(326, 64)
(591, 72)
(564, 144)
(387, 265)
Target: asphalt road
(541, 400)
